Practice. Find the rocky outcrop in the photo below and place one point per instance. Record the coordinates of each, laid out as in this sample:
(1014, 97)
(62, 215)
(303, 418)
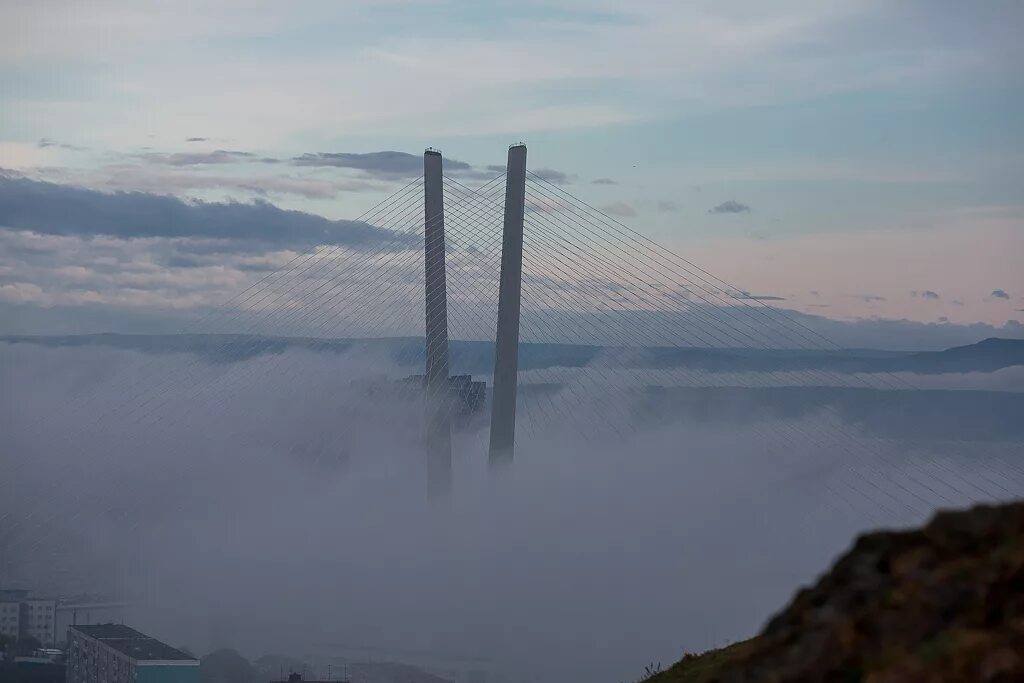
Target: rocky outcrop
(944, 603)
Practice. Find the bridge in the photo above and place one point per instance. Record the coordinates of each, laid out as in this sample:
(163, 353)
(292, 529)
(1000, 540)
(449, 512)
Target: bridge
(577, 323)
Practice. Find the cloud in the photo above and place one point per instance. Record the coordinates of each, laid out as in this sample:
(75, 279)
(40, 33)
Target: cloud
(53, 209)
(758, 297)
(163, 179)
(1000, 294)
(868, 298)
(603, 181)
(544, 204)
(196, 139)
(388, 164)
(291, 427)
(45, 143)
(553, 176)
(619, 209)
(217, 156)
(925, 294)
(730, 206)
(162, 280)
(496, 168)
(665, 206)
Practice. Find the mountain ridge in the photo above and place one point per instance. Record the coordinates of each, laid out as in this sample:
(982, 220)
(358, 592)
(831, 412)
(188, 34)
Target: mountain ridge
(477, 357)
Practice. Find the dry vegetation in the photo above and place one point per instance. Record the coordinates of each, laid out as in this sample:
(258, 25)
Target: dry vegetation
(944, 603)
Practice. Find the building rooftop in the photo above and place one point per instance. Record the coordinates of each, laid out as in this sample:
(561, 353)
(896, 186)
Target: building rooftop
(130, 642)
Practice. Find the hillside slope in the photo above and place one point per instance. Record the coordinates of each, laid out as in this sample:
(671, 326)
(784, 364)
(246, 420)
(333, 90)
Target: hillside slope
(944, 603)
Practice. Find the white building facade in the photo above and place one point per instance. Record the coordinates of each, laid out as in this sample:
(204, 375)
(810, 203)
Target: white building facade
(22, 616)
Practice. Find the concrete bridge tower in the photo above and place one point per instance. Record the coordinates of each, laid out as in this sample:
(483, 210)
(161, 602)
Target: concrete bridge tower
(506, 351)
(438, 424)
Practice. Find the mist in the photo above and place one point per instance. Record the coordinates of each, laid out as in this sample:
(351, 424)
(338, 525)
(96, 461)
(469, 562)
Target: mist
(278, 505)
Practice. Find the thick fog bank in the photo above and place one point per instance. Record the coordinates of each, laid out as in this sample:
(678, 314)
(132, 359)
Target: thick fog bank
(279, 504)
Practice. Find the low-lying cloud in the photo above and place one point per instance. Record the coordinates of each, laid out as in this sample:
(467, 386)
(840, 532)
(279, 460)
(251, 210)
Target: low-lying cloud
(275, 505)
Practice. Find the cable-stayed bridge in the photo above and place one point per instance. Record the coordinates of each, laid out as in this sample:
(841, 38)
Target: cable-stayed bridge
(514, 264)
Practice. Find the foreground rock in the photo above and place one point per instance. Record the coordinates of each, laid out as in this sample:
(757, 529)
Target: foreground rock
(943, 603)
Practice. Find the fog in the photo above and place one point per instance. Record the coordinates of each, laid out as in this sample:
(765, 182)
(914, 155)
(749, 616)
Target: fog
(279, 505)
(1008, 379)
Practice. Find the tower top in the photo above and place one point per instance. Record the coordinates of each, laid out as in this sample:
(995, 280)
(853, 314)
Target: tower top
(431, 150)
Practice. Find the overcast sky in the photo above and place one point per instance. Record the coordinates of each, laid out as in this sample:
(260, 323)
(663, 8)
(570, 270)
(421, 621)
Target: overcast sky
(848, 159)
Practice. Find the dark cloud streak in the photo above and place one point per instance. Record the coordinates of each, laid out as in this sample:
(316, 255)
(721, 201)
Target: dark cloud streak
(553, 176)
(730, 206)
(747, 296)
(52, 209)
(45, 143)
(217, 156)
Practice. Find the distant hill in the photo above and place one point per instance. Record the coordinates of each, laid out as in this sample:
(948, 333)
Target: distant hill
(941, 604)
(985, 356)
(477, 357)
(896, 411)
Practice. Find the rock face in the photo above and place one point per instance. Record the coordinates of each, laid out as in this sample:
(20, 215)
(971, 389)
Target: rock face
(943, 603)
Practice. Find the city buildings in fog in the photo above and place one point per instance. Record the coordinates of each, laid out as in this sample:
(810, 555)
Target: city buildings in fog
(295, 677)
(24, 616)
(85, 610)
(115, 653)
(46, 619)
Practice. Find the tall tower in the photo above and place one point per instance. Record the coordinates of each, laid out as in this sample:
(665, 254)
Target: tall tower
(438, 423)
(506, 352)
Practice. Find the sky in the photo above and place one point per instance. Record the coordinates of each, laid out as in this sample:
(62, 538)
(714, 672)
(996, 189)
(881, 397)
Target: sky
(856, 160)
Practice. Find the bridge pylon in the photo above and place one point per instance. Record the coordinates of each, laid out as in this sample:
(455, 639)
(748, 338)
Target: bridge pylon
(436, 389)
(506, 347)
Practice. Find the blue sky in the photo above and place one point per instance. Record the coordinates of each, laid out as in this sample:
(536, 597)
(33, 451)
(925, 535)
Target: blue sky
(864, 151)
